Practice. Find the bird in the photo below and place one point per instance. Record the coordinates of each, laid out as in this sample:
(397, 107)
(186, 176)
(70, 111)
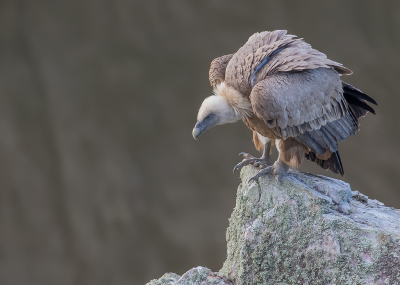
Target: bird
(291, 96)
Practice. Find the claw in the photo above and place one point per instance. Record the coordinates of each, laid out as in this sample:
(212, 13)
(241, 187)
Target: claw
(267, 170)
(249, 159)
(240, 165)
(246, 155)
(278, 169)
(252, 178)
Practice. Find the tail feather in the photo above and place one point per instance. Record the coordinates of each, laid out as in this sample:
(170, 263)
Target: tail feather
(337, 130)
(333, 163)
(337, 162)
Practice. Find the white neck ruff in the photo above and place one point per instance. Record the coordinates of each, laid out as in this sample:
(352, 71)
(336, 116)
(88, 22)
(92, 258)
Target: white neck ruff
(240, 104)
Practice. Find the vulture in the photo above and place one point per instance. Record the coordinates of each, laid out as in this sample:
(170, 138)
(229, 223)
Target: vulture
(291, 96)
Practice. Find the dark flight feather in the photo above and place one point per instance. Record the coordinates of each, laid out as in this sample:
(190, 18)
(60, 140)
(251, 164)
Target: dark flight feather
(326, 137)
(354, 92)
(307, 140)
(354, 101)
(333, 163)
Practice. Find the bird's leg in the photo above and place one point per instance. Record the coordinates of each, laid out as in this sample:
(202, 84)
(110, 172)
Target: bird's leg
(278, 169)
(263, 161)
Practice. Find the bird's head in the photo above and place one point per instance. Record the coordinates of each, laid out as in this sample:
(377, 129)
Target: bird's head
(215, 110)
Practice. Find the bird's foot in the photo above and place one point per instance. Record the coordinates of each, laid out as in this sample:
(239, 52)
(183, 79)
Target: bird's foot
(249, 159)
(278, 169)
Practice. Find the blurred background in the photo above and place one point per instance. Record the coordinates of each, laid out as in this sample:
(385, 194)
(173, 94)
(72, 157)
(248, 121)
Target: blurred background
(101, 181)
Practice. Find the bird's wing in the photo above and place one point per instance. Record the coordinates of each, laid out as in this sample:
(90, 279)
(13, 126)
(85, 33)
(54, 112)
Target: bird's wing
(255, 52)
(296, 56)
(268, 53)
(358, 100)
(308, 106)
(217, 69)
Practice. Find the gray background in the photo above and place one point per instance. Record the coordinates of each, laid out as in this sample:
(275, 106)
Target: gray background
(101, 181)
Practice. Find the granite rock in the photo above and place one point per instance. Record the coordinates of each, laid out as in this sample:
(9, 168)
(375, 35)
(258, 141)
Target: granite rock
(310, 229)
(305, 229)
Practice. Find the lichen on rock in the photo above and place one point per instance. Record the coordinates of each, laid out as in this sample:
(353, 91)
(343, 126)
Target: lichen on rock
(305, 229)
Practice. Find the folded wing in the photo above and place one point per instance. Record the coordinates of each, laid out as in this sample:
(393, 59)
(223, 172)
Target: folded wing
(308, 106)
(218, 68)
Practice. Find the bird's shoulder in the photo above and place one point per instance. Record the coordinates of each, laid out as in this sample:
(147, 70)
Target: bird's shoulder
(218, 68)
(269, 53)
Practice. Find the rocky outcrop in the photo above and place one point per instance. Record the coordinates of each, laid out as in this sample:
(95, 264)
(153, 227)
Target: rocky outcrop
(306, 229)
(198, 275)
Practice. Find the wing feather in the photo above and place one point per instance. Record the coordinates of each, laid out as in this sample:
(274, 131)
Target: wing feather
(289, 100)
(268, 53)
(218, 68)
(308, 106)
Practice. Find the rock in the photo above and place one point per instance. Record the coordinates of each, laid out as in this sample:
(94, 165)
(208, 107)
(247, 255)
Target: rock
(166, 279)
(306, 229)
(198, 275)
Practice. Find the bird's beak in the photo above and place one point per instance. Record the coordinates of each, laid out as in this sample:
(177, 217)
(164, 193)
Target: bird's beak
(198, 129)
(210, 121)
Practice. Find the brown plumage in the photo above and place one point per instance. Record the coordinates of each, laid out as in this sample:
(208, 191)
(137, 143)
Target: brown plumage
(296, 97)
(217, 69)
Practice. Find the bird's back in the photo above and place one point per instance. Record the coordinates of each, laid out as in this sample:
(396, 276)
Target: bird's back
(269, 53)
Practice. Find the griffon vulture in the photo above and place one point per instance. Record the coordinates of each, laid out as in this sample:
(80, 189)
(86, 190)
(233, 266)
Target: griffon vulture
(290, 95)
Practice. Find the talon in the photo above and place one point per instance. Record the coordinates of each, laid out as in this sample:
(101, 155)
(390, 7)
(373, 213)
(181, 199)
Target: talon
(255, 177)
(244, 163)
(248, 159)
(246, 155)
(251, 179)
(278, 169)
(267, 170)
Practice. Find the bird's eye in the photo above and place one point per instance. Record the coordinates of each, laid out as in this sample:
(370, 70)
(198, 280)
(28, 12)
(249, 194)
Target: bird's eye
(208, 117)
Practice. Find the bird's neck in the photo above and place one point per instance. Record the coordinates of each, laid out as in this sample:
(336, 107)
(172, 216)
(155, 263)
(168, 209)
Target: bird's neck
(239, 103)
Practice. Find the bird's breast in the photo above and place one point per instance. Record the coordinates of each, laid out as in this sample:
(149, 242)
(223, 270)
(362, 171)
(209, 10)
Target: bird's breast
(256, 124)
